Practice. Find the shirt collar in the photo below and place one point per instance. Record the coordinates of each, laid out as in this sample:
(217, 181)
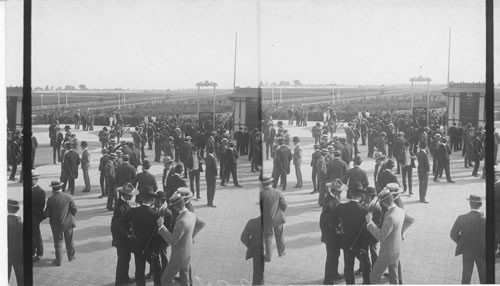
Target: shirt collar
(475, 210)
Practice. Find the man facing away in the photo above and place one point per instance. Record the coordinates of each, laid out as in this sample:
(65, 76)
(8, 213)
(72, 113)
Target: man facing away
(468, 233)
(273, 212)
(61, 210)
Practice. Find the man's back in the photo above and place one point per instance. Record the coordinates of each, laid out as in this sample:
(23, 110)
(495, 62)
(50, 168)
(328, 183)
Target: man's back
(61, 209)
(273, 207)
(125, 173)
(469, 233)
(352, 216)
(143, 219)
(336, 169)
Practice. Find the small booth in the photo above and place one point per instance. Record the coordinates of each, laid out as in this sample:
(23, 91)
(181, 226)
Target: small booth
(246, 108)
(14, 107)
(466, 103)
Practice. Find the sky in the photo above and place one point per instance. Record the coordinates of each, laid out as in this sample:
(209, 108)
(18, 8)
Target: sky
(159, 44)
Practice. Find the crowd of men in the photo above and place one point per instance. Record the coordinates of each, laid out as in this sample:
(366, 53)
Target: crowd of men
(398, 146)
(162, 213)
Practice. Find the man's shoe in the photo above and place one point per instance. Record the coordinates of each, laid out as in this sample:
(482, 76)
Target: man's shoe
(425, 202)
(238, 186)
(55, 263)
(451, 182)
(223, 185)
(313, 192)
(358, 272)
(411, 194)
(85, 191)
(386, 274)
(436, 180)
(148, 276)
(36, 258)
(213, 206)
(72, 258)
(100, 197)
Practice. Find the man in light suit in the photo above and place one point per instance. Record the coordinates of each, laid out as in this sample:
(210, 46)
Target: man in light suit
(61, 210)
(273, 212)
(468, 233)
(390, 237)
(187, 225)
(297, 161)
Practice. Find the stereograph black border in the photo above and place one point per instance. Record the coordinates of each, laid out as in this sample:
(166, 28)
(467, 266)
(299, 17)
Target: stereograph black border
(489, 167)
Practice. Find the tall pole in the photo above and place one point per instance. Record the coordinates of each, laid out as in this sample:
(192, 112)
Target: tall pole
(272, 94)
(333, 95)
(58, 98)
(412, 95)
(281, 96)
(449, 50)
(198, 102)
(66, 99)
(428, 103)
(235, 50)
(41, 98)
(213, 116)
(118, 101)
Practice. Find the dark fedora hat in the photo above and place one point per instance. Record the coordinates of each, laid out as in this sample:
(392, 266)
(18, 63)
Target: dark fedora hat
(357, 160)
(356, 188)
(147, 192)
(266, 180)
(146, 164)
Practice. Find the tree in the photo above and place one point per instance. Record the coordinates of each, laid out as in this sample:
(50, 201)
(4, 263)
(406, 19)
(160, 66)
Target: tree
(297, 82)
(82, 87)
(46, 87)
(284, 83)
(59, 88)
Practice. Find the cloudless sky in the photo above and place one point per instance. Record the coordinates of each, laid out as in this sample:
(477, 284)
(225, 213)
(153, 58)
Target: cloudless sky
(158, 44)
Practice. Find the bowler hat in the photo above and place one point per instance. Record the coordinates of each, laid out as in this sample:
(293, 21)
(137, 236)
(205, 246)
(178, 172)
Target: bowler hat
(356, 188)
(357, 160)
(389, 164)
(371, 191)
(84, 144)
(146, 164)
(147, 192)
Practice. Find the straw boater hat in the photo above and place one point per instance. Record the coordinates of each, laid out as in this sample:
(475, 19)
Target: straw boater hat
(56, 185)
(185, 193)
(378, 155)
(266, 180)
(474, 198)
(128, 189)
(176, 199)
(394, 189)
(167, 159)
(386, 196)
(12, 205)
(112, 155)
(34, 174)
(324, 151)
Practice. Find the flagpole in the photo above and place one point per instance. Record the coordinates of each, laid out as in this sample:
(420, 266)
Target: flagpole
(235, 50)
(449, 50)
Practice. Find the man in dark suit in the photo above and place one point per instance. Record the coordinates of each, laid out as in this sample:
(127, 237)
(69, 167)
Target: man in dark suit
(336, 168)
(210, 176)
(468, 233)
(386, 175)
(423, 174)
(85, 166)
(185, 152)
(407, 164)
(125, 173)
(120, 234)
(15, 242)
(70, 168)
(168, 170)
(443, 155)
(38, 205)
(269, 135)
(315, 155)
(230, 166)
(175, 180)
(355, 241)
(251, 237)
(102, 176)
(273, 212)
(195, 167)
(143, 220)
(330, 236)
(281, 164)
(61, 210)
(355, 175)
(145, 179)
(57, 139)
(477, 152)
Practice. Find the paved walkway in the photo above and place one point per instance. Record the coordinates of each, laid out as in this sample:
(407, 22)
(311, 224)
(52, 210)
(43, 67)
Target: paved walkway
(219, 256)
(428, 255)
(428, 252)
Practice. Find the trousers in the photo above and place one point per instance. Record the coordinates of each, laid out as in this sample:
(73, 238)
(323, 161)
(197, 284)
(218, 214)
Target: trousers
(280, 242)
(468, 267)
(211, 182)
(37, 242)
(67, 236)
(298, 173)
(194, 178)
